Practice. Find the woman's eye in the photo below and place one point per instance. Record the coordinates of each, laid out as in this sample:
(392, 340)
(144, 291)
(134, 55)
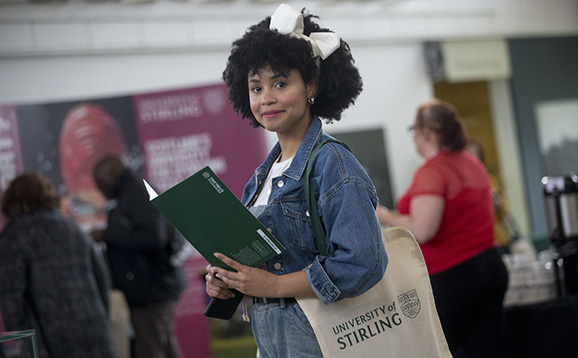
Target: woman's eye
(280, 84)
(255, 89)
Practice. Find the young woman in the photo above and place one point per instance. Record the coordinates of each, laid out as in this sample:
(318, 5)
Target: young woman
(449, 209)
(52, 277)
(285, 74)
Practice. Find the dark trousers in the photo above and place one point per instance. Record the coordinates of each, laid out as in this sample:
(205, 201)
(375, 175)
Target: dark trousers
(469, 301)
(154, 330)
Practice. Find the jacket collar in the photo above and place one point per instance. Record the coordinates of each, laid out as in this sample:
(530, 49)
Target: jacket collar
(297, 167)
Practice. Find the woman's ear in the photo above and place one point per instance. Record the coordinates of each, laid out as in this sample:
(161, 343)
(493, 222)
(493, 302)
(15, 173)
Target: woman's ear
(311, 88)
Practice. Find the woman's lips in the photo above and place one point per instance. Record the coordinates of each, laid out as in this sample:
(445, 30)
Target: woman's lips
(271, 114)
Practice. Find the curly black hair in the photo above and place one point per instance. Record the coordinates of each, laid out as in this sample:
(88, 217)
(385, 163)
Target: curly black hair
(339, 82)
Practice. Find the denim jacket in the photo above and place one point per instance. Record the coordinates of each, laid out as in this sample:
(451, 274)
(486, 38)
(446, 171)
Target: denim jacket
(346, 199)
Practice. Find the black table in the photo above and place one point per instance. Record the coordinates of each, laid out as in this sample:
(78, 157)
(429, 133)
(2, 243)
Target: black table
(541, 330)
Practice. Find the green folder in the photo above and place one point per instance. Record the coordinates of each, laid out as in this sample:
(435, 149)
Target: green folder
(212, 219)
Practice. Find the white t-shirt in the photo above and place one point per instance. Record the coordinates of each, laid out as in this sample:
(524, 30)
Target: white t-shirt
(276, 170)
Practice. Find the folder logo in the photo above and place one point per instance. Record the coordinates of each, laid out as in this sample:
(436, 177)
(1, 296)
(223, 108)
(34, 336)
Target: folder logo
(213, 182)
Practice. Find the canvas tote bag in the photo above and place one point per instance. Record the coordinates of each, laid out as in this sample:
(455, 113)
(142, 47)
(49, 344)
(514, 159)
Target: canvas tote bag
(395, 318)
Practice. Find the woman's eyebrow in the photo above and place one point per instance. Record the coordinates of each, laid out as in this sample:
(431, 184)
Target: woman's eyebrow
(279, 75)
(272, 77)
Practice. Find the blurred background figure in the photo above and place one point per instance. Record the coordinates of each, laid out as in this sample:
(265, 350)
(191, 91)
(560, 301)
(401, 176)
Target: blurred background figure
(52, 277)
(139, 250)
(506, 229)
(449, 209)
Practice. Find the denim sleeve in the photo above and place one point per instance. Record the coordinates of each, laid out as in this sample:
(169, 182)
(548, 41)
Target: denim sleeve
(356, 258)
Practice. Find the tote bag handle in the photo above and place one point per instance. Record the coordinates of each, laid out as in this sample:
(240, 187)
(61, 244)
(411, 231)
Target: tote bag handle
(318, 230)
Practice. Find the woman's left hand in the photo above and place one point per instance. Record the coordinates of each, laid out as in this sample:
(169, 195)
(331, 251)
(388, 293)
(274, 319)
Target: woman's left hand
(248, 280)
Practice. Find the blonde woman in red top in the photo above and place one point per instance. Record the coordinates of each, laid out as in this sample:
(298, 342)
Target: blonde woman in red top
(448, 207)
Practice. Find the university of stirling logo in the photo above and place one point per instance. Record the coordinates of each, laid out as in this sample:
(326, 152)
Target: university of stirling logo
(409, 303)
(206, 175)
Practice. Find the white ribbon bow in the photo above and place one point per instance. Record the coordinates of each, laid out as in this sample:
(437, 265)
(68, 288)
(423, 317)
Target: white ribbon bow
(288, 21)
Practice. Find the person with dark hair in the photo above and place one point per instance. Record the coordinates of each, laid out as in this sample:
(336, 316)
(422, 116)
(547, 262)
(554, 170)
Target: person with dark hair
(449, 209)
(138, 250)
(284, 74)
(52, 277)
(475, 148)
(506, 229)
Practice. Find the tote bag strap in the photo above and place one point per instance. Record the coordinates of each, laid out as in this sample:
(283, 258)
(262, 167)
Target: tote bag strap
(318, 230)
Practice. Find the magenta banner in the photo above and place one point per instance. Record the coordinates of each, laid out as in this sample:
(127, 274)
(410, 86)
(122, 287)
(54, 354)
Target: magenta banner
(10, 156)
(181, 132)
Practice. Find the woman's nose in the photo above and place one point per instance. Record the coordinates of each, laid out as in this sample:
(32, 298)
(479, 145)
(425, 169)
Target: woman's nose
(267, 97)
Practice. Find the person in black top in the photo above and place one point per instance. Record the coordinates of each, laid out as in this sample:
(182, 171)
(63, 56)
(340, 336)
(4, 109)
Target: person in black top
(138, 250)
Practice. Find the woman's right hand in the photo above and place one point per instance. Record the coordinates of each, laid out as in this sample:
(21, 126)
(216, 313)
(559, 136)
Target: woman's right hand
(216, 287)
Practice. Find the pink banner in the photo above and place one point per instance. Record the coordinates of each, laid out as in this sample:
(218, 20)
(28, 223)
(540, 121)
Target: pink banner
(10, 153)
(191, 324)
(183, 131)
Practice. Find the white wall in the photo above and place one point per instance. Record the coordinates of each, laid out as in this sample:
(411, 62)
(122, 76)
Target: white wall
(61, 78)
(508, 150)
(95, 27)
(395, 83)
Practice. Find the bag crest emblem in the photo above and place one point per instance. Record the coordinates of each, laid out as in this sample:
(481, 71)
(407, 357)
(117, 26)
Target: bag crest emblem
(409, 303)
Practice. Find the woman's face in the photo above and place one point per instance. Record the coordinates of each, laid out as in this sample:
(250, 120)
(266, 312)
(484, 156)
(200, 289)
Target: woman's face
(279, 101)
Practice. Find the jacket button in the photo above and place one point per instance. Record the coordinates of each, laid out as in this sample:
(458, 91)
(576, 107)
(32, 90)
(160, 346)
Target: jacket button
(129, 276)
(277, 266)
(280, 183)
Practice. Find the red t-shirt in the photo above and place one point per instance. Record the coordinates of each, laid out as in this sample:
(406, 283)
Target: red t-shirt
(467, 226)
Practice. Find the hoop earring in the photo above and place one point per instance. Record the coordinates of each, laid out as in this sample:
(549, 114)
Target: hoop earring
(311, 100)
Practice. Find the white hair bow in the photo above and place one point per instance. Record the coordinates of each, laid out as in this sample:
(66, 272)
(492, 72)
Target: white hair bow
(287, 20)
